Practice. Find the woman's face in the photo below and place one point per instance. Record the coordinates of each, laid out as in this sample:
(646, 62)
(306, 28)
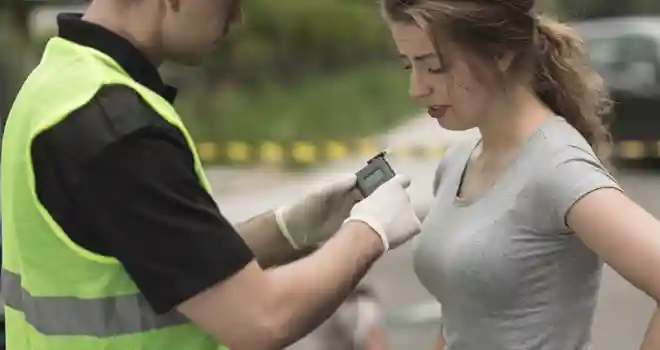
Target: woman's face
(445, 85)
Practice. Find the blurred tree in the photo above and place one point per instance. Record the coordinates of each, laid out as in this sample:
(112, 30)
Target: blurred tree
(289, 39)
(14, 39)
(15, 16)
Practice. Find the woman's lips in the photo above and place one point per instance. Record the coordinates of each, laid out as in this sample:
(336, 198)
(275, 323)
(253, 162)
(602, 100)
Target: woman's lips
(438, 112)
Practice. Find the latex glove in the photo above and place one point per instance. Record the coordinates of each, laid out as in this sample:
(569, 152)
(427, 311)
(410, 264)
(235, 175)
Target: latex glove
(389, 212)
(318, 215)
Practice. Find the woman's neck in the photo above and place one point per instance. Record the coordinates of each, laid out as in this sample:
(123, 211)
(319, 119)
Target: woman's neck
(512, 123)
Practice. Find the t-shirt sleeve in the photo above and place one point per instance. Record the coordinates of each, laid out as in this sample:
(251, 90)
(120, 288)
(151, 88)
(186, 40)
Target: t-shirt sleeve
(144, 202)
(573, 173)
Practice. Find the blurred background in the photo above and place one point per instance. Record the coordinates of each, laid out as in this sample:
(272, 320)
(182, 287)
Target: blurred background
(308, 88)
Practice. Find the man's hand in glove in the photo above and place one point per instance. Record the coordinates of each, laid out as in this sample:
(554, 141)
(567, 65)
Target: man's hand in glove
(389, 212)
(317, 216)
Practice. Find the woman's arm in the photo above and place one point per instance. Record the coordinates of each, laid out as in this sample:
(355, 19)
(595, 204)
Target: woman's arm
(627, 238)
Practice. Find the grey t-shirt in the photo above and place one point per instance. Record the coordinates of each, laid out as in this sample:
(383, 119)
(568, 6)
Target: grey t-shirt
(505, 267)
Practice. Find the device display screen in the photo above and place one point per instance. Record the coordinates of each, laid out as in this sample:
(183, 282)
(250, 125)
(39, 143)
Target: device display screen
(374, 178)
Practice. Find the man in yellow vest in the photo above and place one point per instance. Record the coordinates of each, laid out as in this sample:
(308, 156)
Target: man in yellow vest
(111, 237)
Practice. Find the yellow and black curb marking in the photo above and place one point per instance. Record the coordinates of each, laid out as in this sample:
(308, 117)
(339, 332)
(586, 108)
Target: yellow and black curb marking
(304, 152)
(637, 150)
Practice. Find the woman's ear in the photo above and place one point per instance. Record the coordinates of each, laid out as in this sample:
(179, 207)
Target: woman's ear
(505, 60)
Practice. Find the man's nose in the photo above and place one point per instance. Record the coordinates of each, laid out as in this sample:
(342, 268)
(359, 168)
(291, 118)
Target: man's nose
(237, 16)
(419, 89)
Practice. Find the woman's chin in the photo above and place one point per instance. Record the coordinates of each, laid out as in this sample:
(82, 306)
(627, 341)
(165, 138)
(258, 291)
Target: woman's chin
(448, 124)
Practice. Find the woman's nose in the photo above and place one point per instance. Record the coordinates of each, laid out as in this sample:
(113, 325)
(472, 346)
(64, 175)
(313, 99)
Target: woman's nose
(418, 88)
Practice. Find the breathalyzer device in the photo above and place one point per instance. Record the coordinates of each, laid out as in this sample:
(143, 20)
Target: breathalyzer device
(375, 173)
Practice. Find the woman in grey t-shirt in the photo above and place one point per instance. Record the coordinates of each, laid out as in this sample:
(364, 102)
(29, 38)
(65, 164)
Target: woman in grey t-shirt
(525, 214)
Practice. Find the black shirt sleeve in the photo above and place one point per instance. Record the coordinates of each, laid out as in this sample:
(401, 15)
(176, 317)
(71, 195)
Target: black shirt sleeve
(134, 195)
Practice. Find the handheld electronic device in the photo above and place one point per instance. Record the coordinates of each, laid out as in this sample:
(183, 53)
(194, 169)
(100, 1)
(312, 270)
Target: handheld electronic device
(375, 173)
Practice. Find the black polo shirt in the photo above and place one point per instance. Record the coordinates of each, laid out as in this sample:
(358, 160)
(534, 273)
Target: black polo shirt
(120, 181)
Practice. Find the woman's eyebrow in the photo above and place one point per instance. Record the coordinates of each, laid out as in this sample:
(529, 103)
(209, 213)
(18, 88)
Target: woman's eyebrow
(420, 57)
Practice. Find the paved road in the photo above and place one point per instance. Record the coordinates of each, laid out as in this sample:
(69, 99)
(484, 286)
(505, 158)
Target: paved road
(623, 312)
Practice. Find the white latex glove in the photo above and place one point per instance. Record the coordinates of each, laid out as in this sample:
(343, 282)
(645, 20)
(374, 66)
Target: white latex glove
(389, 212)
(319, 214)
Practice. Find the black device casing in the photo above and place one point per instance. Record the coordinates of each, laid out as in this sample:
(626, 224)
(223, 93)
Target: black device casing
(374, 164)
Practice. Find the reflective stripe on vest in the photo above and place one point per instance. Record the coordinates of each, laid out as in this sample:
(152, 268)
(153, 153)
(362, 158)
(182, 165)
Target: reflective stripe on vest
(103, 317)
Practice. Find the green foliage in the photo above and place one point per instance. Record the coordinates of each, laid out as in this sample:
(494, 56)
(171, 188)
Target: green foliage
(13, 62)
(288, 40)
(340, 107)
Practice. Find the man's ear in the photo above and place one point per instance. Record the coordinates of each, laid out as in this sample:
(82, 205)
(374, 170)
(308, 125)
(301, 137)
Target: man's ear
(175, 5)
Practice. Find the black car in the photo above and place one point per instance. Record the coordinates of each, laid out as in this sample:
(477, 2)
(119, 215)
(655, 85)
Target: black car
(626, 52)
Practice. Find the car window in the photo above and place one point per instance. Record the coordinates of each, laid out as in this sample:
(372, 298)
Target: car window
(603, 51)
(639, 49)
(604, 54)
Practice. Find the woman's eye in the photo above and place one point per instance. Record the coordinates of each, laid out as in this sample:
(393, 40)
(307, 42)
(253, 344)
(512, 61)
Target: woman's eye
(437, 70)
(407, 67)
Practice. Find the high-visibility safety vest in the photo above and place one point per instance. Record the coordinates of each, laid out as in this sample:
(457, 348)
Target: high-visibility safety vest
(58, 295)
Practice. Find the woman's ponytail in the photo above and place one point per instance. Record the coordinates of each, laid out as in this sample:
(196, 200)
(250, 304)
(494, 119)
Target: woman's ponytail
(569, 86)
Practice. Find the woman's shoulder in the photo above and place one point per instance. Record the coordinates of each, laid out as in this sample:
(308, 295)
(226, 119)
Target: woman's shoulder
(561, 142)
(562, 168)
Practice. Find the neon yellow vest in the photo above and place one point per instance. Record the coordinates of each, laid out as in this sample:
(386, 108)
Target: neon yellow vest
(59, 296)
